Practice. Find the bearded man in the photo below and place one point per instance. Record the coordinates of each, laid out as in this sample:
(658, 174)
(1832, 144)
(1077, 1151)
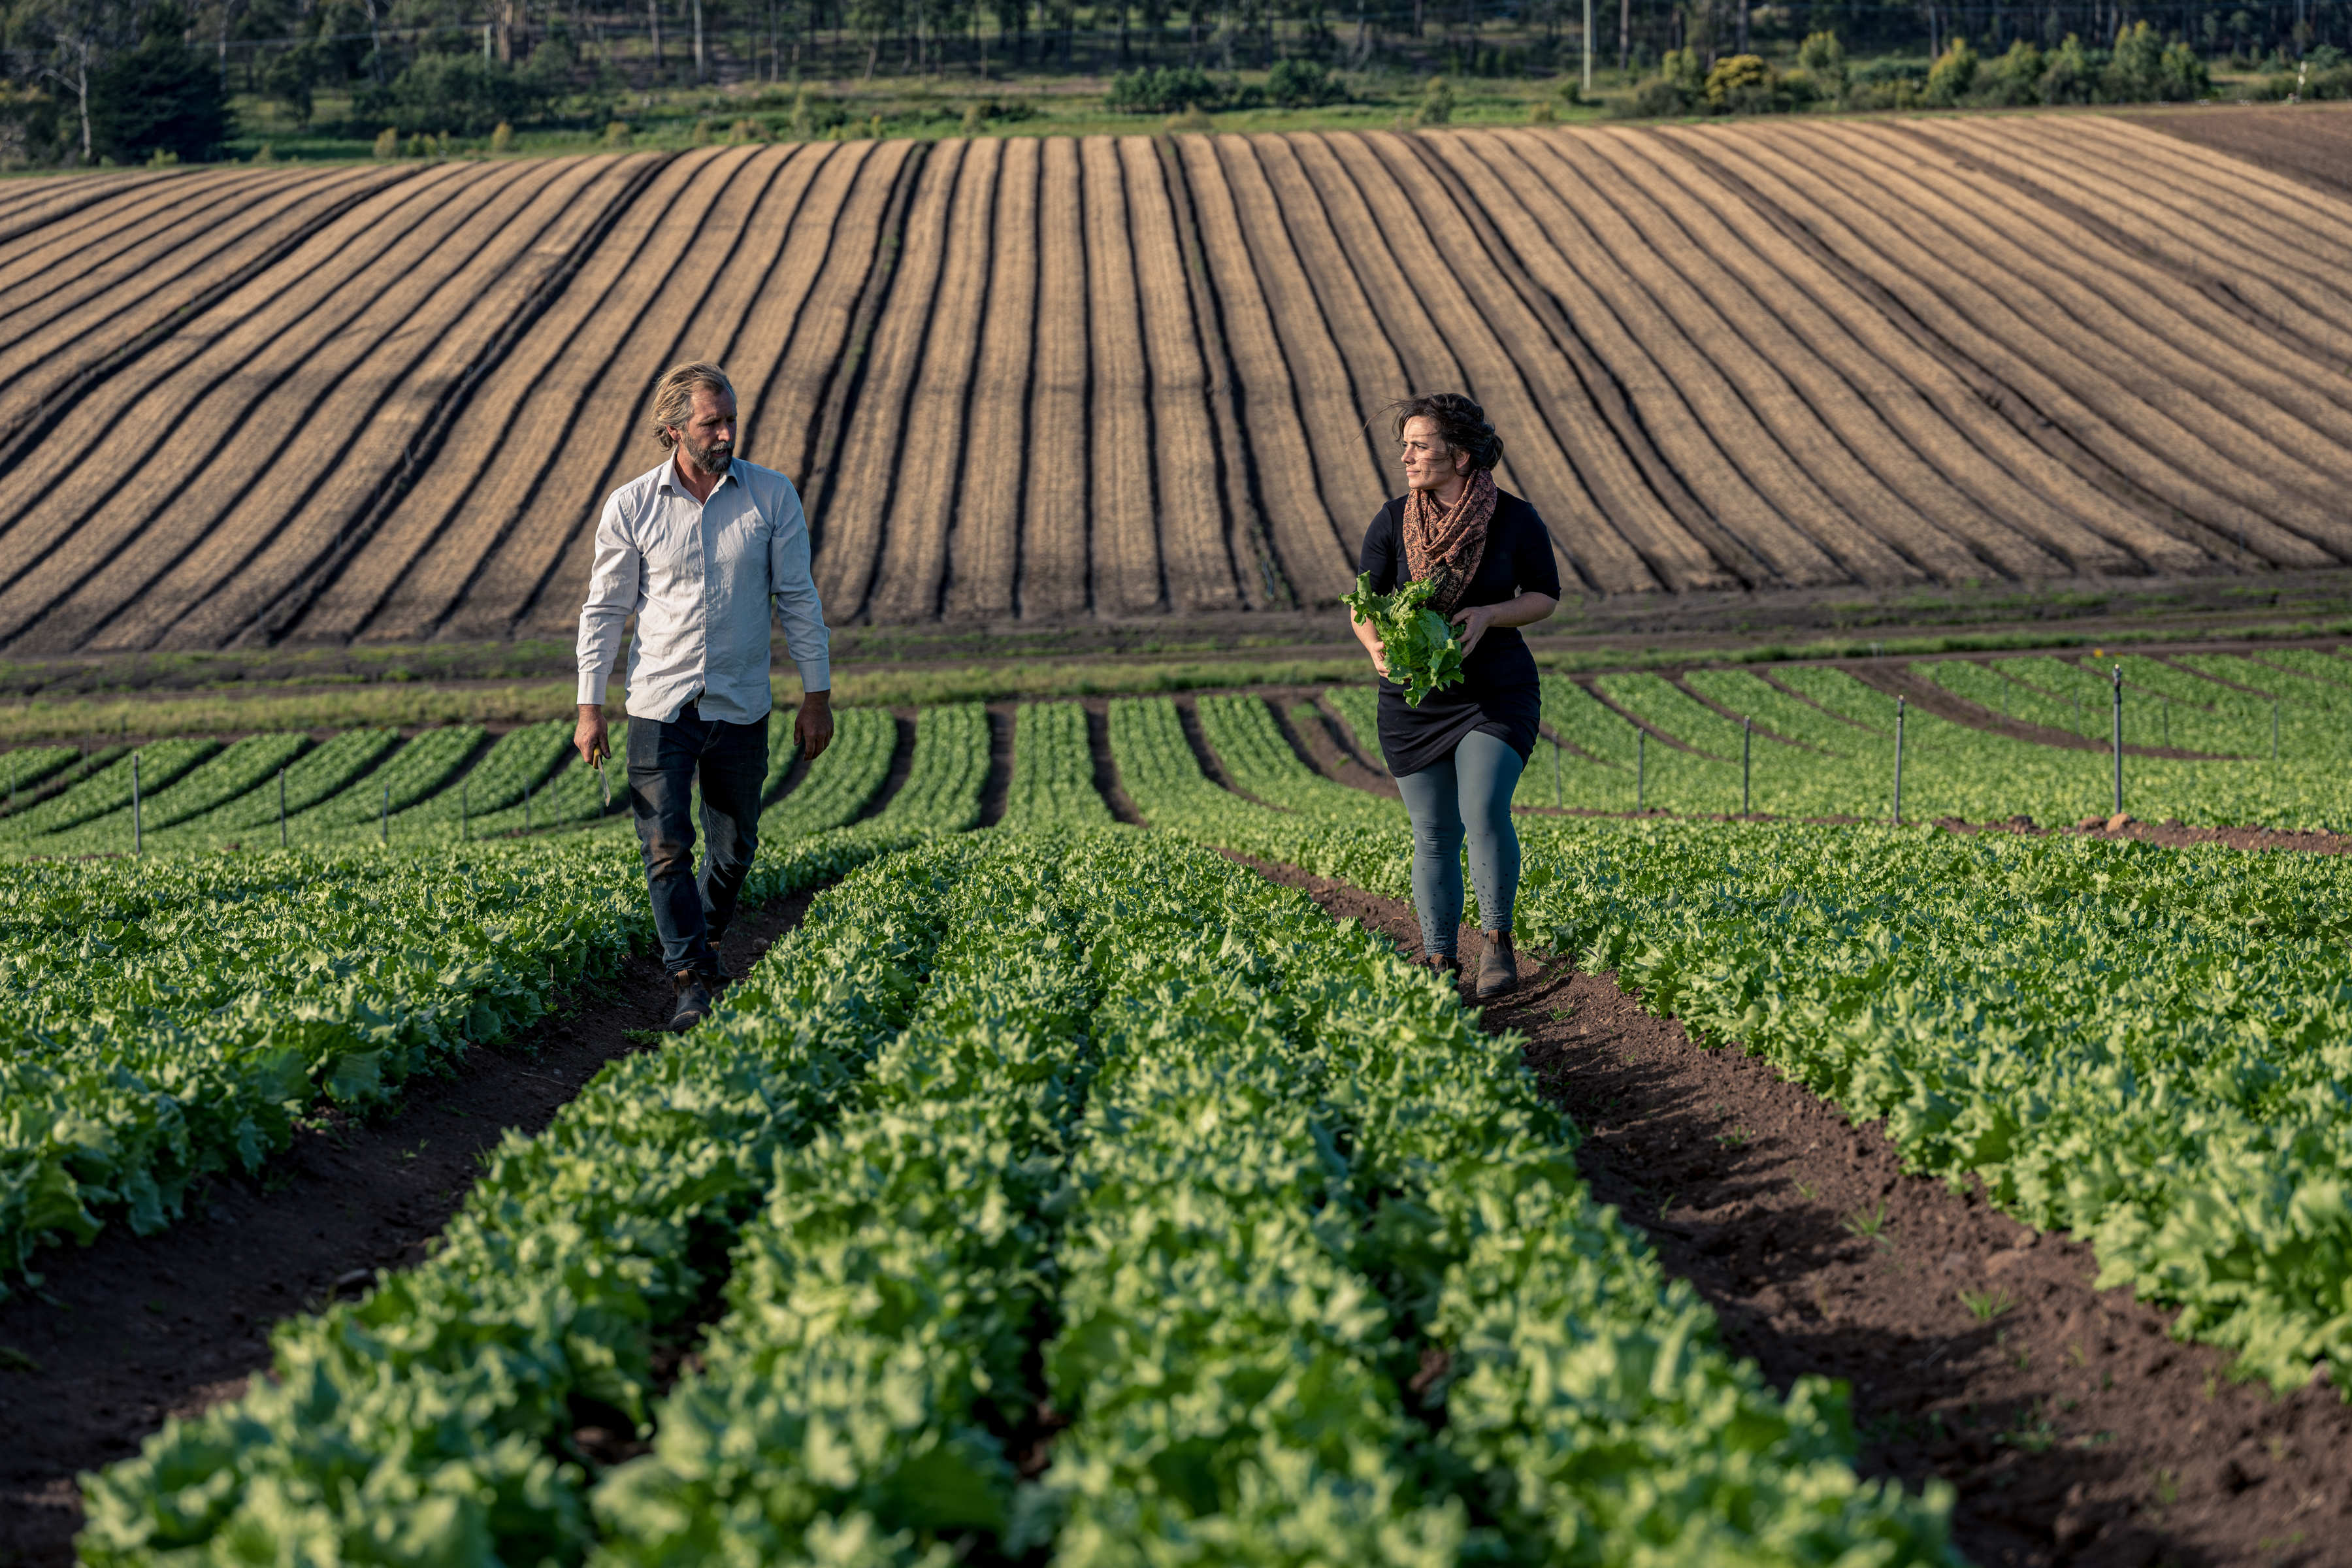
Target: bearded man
(697, 551)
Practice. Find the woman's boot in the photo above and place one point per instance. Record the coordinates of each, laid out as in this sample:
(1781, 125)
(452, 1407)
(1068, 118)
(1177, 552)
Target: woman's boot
(1498, 970)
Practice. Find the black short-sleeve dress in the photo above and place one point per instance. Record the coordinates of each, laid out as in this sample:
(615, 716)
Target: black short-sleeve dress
(1498, 693)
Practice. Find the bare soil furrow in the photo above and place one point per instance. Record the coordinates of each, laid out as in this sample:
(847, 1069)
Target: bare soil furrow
(137, 1329)
(2318, 223)
(1699, 419)
(1304, 532)
(1819, 418)
(1197, 556)
(1570, 386)
(922, 501)
(1398, 200)
(2074, 1427)
(2139, 441)
(849, 531)
(117, 559)
(2215, 253)
(190, 392)
(2114, 367)
(294, 514)
(678, 275)
(1056, 567)
(835, 269)
(1941, 416)
(34, 204)
(396, 585)
(1375, 369)
(774, 185)
(465, 507)
(772, 417)
(2183, 339)
(1128, 575)
(55, 365)
(55, 272)
(1349, 458)
(29, 255)
(1366, 265)
(984, 519)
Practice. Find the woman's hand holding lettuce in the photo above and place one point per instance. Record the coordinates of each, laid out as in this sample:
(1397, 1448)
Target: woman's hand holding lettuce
(1421, 650)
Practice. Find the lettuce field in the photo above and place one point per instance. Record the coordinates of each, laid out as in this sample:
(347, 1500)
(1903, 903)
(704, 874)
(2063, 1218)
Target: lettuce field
(1062, 1189)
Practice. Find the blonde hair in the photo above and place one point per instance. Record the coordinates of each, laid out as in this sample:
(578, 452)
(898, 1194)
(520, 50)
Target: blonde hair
(674, 395)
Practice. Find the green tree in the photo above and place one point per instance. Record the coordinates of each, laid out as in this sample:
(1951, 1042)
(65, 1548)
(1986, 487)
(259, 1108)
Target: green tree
(160, 96)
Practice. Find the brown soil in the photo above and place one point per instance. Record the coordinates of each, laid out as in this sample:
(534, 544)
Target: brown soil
(2307, 141)
(1314, 736)
(2074, 1428)
(135, 1329)
(997, 787)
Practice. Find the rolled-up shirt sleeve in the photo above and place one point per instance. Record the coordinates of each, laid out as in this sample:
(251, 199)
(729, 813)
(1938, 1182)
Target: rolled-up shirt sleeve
(797, 607)
(612, 584)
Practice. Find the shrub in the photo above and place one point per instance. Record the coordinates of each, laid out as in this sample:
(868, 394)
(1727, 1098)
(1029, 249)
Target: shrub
(2013, 79)
(2067, 76)
(1678, 88)
(387, 143)
(461, 94)
(1160, 89)
(616, 134)
(1952, 76)
(1436, 102)
(1192, 120)
(2144, 68)
(1822, 59)
(1741, 84)
(1541, 112)
(502, 138)
(1303, 84)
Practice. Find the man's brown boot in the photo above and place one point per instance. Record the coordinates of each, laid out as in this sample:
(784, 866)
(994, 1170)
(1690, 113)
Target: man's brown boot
(693, 1000)
(1498, 970)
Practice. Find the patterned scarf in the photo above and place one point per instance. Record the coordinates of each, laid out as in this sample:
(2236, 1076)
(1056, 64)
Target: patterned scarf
(1445, 546)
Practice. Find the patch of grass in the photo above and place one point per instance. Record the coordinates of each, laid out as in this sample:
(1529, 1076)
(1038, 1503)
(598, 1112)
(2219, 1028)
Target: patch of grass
(1870, 1224)
(14, 1360)
(1986, 1305)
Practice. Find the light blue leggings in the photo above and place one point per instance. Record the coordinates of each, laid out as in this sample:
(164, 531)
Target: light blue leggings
(1474, 784)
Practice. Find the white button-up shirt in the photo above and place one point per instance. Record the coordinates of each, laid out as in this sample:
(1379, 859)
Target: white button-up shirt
(698, 576)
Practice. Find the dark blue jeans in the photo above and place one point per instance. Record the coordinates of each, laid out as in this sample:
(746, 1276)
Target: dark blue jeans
(692, 912)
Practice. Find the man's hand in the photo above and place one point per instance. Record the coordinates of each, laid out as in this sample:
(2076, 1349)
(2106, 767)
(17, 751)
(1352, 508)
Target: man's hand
(813, 727)
(588, 737)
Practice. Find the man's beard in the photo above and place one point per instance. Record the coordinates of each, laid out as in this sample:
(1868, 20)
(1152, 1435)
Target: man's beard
(710, 460)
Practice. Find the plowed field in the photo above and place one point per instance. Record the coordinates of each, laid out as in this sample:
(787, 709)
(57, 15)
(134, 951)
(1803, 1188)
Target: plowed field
(1042, 380)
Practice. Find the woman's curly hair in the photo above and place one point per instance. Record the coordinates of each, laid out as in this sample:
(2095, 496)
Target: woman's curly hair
(1461, 424)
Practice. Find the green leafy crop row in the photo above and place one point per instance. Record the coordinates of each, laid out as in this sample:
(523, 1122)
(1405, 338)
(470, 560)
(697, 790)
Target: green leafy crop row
(1052, 769)
(2143, 1047)
(1098, 1124)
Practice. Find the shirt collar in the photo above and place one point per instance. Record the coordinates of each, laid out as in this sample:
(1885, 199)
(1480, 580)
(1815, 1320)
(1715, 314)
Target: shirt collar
(669, 476)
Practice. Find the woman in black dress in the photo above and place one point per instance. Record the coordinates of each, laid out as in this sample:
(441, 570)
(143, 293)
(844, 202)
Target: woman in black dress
(1458, 756)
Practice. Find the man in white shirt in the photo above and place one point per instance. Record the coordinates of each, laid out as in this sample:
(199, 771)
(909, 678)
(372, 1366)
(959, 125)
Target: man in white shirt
(697, 549)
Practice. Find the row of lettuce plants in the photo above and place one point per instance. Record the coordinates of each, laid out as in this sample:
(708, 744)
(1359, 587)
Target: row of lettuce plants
(2141, 1046)
(1089, 1198)
(434, 1420)
(1052, 782)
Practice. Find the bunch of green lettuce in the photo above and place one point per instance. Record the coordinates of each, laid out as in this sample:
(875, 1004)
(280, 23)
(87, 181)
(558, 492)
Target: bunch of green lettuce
(1423, 653)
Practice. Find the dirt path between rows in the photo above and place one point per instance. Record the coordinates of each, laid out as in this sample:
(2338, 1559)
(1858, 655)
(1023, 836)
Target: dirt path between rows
(2075, 1429)
(136, 1329)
